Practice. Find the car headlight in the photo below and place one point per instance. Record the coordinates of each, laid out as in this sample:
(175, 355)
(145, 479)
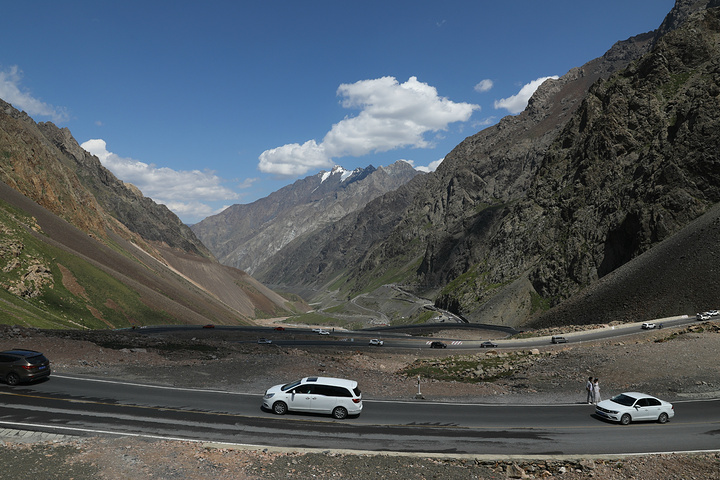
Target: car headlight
(268, 395)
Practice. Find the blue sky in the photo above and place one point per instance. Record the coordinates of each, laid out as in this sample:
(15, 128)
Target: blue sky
(207, 104)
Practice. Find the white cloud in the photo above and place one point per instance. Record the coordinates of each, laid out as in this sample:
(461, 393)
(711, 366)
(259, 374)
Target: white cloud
(246, 183)
(429, 168)
(392, 115)
(294, 159)
(485, 122)
(11, 92)
(484, 85)
(517, 103)
(185, 192)
(191, 210)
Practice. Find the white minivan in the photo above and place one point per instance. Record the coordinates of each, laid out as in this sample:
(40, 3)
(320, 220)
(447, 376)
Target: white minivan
(335, 396)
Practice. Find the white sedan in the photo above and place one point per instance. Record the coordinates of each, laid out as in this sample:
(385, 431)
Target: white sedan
(376, 342)
(647, 326)
(633, 406)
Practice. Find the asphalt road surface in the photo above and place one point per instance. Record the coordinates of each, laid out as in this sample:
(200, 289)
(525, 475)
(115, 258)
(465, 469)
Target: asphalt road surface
(392, 339)
(84, 405)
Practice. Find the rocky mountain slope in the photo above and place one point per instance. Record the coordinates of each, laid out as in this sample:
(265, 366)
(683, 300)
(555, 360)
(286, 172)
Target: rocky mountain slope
(46, 164)
(635, 165)
(604, 163)
(247, 236)
(79, 248)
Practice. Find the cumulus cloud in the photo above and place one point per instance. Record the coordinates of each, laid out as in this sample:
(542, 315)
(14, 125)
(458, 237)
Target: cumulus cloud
(11, 92)
(185, 192)
(517, 103)
(484, 85)
(392, 115)
(427, 169)
(294, 159)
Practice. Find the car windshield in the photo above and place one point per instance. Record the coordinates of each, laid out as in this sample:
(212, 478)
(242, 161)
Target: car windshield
(288, 386)
(623, 399)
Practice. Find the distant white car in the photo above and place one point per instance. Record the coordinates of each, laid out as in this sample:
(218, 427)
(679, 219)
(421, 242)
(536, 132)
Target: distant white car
(702, 316)
(647, 326)
(323, 332)
(634, 406)
(264, 341)
(377, 342)
(713, 313)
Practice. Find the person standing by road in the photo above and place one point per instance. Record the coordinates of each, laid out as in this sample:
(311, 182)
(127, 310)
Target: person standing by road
(596, 391)
(589, 388)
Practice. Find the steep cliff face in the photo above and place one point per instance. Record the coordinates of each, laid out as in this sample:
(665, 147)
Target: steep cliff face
(526, 213)
(248, 236)
(624, 173)
(637, 163)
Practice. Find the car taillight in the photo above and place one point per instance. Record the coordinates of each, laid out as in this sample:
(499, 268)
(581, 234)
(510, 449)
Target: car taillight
(28, 367)
(357, 400)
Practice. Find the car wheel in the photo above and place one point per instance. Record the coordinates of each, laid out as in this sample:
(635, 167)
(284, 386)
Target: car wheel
(280, 408)
(625, 419)
(339, 413)
(663, 418)
(12, 378)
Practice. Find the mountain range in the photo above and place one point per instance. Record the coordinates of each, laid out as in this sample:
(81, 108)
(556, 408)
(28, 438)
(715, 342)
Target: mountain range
(599, 202)
(605, 163)
(247, 236)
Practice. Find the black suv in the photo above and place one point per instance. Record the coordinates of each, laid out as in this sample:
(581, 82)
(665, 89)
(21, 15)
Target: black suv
(19, 365)
(438, 345)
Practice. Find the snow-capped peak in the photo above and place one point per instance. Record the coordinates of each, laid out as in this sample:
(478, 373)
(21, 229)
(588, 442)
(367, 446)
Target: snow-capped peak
(337, 169)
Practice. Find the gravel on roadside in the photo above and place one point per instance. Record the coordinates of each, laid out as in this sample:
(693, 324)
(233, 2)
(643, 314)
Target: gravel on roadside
(119, 458)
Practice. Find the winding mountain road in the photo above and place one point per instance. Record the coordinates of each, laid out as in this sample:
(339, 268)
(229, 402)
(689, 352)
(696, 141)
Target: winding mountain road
(84, 405)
